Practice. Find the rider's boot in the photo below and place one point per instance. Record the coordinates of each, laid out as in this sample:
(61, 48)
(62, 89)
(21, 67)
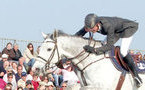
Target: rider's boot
(132, 67)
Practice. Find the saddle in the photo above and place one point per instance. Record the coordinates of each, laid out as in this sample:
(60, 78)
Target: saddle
(120, 65)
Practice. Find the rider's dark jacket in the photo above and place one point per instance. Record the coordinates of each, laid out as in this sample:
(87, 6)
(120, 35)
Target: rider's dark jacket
(114, 28)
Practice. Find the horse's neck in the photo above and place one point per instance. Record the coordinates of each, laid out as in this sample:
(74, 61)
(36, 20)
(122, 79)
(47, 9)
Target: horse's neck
(74, 45)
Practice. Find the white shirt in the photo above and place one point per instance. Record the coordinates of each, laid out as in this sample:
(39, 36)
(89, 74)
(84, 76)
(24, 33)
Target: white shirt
(13, 81)
(29, 77)
(71, 77)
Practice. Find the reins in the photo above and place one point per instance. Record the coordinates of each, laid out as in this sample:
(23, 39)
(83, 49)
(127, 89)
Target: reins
(52, 54)
(77, 56)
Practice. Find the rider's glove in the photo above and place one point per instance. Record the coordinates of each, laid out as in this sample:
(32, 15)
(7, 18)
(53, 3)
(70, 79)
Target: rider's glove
(89, 49)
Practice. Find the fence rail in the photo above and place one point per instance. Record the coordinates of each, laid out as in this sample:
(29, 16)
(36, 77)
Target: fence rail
(22, 43)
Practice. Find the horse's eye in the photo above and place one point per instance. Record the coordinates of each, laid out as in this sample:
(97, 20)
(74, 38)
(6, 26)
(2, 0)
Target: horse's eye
(49, 49)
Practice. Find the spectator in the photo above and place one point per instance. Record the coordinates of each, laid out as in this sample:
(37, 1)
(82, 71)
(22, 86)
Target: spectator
(131, 52)
(42, 86)
(29, 55)
(16, 52)
(58, 78)
(66, 62)
(10, 79)
(4, 58)
(30, 75)
(37, 51)
(8, 50)
(34, 81)
(139, 56)
(69, 76)
(15, 67)
(19, 72)
(28, 85)
(63, 86)
(2, 84)
(20, 88)
(144, 57)
(9, 86)
(49, 86)
(45, 78)
(0, 56)
(21, 62)
(3, 68)
(22, 81)
(9, 70)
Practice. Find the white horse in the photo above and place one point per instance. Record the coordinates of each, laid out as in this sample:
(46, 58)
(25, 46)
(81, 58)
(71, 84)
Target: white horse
(100, 75)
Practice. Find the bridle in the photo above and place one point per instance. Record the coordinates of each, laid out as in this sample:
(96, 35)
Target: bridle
(52, 55)
(77, 56)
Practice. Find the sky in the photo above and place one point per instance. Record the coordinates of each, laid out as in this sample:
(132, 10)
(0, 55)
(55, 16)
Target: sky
(26, 19)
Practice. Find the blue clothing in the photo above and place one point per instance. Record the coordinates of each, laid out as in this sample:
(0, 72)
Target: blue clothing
(17, 77)
(57, 79)
(31, 62)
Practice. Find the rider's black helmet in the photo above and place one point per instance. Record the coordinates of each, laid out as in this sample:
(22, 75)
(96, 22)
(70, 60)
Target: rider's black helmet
(91, 20)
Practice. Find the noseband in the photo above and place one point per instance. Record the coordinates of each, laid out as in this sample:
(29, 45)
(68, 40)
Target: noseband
(52, 54)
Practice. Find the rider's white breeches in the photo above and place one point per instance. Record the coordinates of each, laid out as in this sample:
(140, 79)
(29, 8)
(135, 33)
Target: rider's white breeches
(125, 45)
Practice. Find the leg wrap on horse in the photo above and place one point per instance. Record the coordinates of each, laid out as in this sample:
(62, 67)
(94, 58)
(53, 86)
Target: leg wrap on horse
(132, 67)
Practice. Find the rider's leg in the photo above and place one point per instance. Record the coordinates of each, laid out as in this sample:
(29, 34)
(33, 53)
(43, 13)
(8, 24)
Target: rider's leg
(129, 60)
(125, 46)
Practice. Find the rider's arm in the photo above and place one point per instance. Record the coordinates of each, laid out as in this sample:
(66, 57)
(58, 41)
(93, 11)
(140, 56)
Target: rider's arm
(110, 41)
(81, 32)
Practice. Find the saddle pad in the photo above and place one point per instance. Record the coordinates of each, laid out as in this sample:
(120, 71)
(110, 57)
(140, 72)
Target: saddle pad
(140, 66)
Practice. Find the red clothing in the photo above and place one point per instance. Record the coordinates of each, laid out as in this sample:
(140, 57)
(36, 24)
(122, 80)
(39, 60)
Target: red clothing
(35, 84)
(2, 84)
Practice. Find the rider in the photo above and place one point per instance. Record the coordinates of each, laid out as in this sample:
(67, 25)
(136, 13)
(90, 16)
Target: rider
(114, 28)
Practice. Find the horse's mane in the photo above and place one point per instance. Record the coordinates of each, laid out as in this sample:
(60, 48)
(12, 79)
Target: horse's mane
(61, 33)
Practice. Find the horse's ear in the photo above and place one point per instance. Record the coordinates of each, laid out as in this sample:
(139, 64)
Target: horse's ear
(44, 35)
(55, 34)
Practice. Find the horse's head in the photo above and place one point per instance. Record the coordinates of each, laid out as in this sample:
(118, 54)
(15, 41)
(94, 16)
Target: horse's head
(58, 44)
(49, 51)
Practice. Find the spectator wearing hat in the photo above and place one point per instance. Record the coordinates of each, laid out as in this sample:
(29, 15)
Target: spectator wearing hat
(49, 86)
(28, 85)
(66, 62)
(34, 81)
(4, 58)
(22, 81)
(8, 50)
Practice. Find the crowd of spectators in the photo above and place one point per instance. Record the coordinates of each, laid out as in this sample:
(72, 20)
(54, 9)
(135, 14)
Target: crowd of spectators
(16, 71)
(138, 58)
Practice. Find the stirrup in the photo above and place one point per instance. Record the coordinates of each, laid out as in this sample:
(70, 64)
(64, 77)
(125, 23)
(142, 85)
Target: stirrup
(138, 81)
